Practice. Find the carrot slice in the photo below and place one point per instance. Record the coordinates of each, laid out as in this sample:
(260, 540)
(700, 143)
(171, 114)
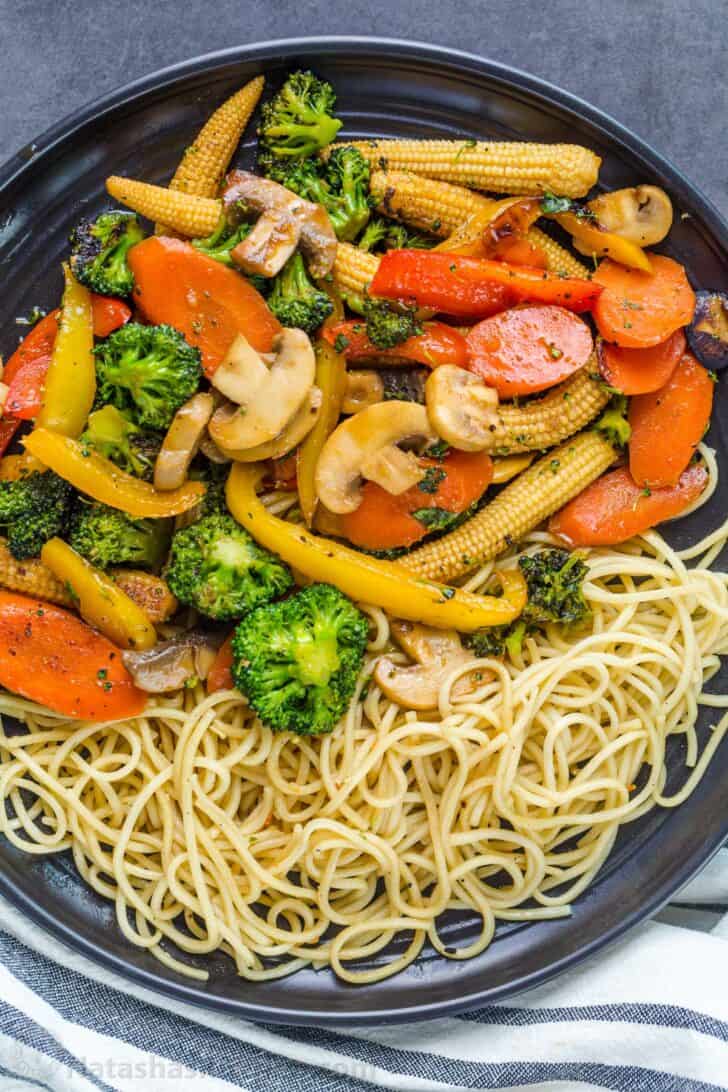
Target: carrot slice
(637, 309)
(50, 656)
(668, 424)
(437, 344)
(527, 349)
(639, 371)
(450, 485)
(220, 676)
(614, 508)
(204, 299)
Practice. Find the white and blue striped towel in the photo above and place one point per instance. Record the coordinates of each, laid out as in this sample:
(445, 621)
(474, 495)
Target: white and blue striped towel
(648, 1015)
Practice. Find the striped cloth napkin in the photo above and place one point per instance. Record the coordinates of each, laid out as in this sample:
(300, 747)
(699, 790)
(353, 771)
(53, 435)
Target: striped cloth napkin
(648, 1015)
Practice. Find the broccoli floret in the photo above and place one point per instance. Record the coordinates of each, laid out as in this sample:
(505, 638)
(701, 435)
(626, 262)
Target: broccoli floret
(105, 536)
(347, 174)
(298, 661)
(554, 579)
(298, 120)
(147, 372)
(555, 594)
(295, 300)
(389, 324)
(341, 186)
(32, 510)
(98, 252)
(113, 435)
(223, 239)
(215, 566)
(381, 234)
(613, 423)
(497, 640)
(374, 236)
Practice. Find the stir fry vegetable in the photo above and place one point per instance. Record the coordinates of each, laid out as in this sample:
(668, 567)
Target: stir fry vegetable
(383, 583)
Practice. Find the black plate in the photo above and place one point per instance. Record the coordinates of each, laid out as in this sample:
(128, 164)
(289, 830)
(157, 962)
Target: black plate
(385, 88)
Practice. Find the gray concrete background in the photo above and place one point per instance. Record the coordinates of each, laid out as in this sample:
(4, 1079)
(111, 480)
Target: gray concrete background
(659, 67)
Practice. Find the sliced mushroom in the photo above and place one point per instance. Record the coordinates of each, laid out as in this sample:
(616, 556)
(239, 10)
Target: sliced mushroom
(393, 469)
(708, 332)
(437, 653)
(461, 408)
(364, 387)
(291, 436)
(266, 399)
(353, 444)
(642, 214)
(182, 441)
(269, 245)
(284, 215)
(211, 451)
(171, 664)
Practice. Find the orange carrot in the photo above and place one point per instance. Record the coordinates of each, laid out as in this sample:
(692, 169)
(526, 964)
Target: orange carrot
(527, 349)
(220, 677)
(637, 309)
(437, 344)
(50, 656)
(639, 371)
(449, 486)
(209, 302)
(668, 424)
(614, 508)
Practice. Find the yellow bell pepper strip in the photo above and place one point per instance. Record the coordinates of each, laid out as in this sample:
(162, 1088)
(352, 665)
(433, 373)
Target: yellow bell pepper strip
(331, 381)
(593, 240)
(101, 602)
(366, 579)
(13, 467)
(70, 383)
(99, 478)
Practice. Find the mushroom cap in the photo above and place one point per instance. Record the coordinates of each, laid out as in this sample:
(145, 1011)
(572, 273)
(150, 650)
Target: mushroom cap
(461, 408)
(437, 654)
(641, 214)
(182, 440)
(356, 440)
(296, 430)
(311, 225)
(171, 663)
(266, 399)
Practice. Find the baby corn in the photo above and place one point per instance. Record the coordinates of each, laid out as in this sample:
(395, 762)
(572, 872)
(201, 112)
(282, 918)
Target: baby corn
(531, 498)
(550, 420)
(205, 161)
(31, 577)
(442, 209)
(195, 217)
(511, 167)
(353, 270)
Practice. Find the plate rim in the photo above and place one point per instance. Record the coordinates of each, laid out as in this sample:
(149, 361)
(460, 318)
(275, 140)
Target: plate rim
(53, 138)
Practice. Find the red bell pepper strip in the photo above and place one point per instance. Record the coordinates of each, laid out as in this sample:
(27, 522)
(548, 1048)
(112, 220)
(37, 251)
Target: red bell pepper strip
(475, 287)
(8, 427)
(26, 369)
(437, 344)
(220, 675)
(50, 656)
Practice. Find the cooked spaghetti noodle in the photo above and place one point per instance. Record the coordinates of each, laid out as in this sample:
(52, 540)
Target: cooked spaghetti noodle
(209, 831)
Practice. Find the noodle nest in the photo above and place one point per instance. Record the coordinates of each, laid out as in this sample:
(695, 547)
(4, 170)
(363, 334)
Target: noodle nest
(208, 831)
